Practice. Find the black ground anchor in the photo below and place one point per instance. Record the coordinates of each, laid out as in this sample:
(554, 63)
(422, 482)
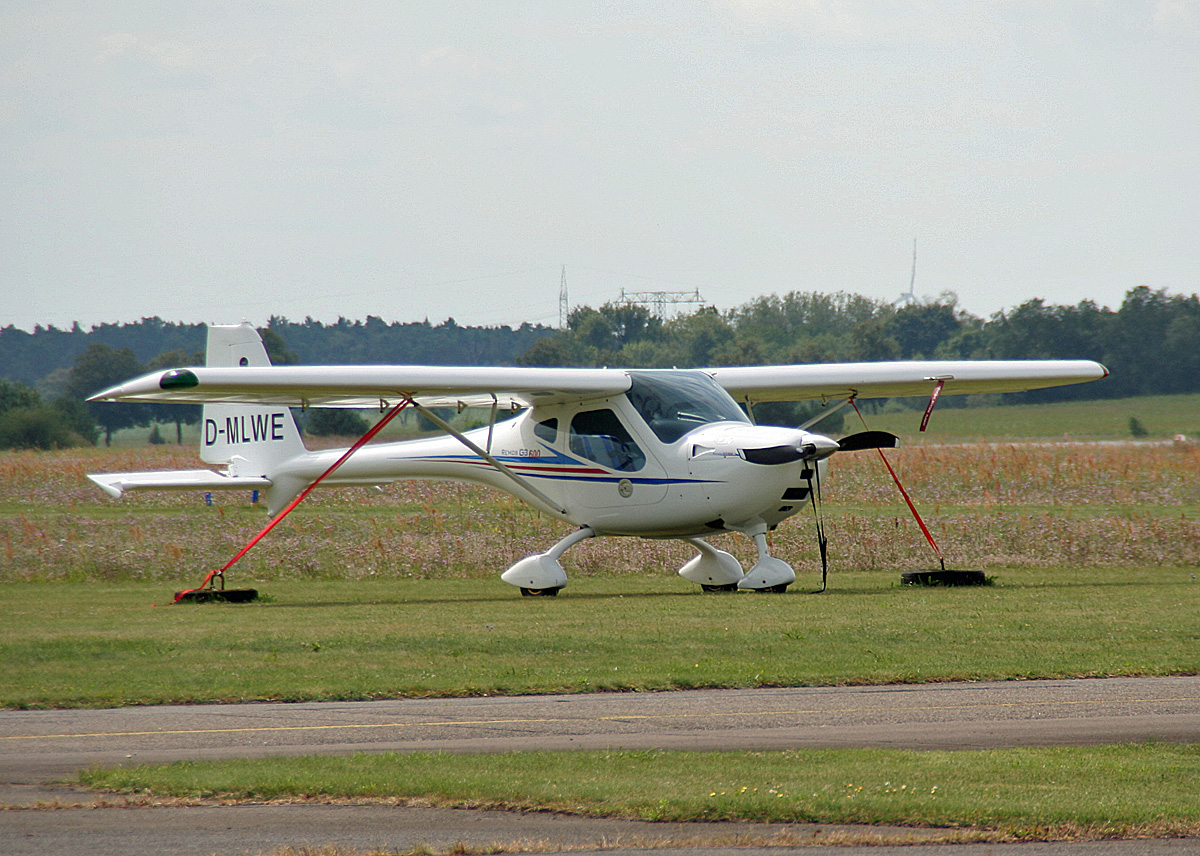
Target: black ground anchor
(217, 596)
(944, 577)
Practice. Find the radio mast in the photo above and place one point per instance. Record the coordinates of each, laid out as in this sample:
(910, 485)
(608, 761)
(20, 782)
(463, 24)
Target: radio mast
(563, 303)
(908, 297)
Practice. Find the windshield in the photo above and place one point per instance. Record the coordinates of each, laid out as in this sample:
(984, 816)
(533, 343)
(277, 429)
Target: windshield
(676, 402)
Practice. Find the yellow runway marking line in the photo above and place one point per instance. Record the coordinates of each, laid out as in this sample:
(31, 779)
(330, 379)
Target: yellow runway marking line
(615, 718)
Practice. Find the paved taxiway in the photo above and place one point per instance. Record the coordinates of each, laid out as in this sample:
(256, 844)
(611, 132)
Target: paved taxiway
(37, 747)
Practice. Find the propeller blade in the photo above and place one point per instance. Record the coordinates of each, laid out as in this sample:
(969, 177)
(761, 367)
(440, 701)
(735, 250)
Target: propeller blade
(868, 440)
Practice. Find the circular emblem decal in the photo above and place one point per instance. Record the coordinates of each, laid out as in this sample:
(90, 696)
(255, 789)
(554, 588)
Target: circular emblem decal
(625, 488)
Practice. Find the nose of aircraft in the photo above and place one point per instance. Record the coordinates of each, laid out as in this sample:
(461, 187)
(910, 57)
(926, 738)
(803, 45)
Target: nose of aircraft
(818, 446)
(762, 444)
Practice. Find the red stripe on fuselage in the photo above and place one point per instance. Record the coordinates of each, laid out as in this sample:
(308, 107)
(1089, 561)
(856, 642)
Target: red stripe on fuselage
(543, 469)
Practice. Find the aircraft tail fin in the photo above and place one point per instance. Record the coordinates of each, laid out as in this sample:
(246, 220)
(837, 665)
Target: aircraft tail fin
(250, 439)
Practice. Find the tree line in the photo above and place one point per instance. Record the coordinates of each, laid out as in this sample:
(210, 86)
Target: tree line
(43, 358)
(46, 375)
(1151, 344)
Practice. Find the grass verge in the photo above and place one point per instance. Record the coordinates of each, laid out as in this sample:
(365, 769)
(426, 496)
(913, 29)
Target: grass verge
(1030, 793)
(96, 645)
(1162, 416)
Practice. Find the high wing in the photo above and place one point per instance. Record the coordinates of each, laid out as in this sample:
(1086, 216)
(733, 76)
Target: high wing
(897, 379)
(445, 386)
(372, 386)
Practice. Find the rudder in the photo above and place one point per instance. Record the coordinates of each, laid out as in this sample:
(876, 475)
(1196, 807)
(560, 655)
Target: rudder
(251, 439)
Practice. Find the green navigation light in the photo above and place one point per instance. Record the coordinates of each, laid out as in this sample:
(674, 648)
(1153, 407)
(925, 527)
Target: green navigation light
(179, 379)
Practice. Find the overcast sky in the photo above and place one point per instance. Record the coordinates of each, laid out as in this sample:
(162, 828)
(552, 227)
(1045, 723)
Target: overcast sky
(221, 161)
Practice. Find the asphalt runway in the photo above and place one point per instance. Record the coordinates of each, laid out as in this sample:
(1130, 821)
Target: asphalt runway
(38, 748)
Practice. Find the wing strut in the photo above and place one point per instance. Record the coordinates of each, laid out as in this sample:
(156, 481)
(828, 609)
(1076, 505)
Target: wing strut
(213, 576)
(503, 470)
(810, 423)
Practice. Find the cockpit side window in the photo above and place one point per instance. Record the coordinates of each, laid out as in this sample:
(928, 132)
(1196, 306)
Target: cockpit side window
(546, 430)
(599, 436)
(676, 402)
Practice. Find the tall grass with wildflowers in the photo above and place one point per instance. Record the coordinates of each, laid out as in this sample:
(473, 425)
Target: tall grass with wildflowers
(989, 506)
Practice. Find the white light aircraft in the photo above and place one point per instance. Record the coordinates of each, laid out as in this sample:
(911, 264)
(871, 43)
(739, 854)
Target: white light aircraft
(651, 453)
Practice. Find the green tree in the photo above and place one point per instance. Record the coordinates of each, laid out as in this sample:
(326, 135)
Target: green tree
(98, 368)
(562, 349)
(613, 325)
(335, 422)
(15, 394)
(35, 427)
(704, 338)
(1155, 342)
(1181, 352)
(874, 341)
(277, 349)
(803, 325)
(76, 417)
(920, 328)
(26, 422)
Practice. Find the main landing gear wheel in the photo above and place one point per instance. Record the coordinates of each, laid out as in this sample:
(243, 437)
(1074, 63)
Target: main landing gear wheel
(779, 589)
(718, 588)
(545, 592)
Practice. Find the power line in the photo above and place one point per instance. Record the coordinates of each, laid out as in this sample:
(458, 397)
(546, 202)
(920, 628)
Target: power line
(658, 301)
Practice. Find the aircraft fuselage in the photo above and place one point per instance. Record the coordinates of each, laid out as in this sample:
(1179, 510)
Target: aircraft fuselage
(601, 464)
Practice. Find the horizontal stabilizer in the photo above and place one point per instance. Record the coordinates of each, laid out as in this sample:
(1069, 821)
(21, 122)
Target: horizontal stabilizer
(115, 484)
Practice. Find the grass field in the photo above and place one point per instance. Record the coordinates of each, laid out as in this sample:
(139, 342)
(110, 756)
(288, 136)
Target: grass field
(1094, 551)
(990, 507)
(1094, 548)
(107, 644)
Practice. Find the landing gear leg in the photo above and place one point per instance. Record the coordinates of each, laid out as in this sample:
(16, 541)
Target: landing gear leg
(715, 570)
(541, 574)
(769, 573)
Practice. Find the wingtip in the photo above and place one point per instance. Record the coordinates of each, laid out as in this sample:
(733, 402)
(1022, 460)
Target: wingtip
(109, 487)
(107, 394)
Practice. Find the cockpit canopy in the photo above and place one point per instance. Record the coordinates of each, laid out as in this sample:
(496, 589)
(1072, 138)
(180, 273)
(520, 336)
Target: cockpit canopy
(675, 402)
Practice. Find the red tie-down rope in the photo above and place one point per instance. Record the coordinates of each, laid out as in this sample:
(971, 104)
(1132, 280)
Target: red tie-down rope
(362, 441)
(904, 493)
